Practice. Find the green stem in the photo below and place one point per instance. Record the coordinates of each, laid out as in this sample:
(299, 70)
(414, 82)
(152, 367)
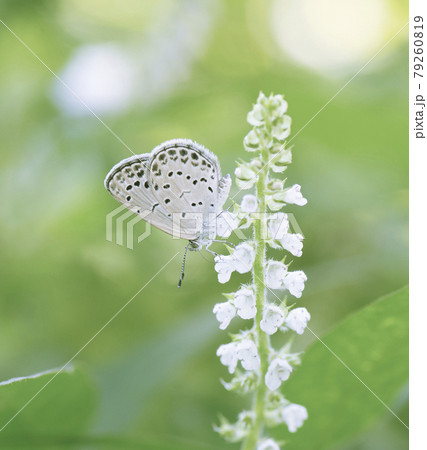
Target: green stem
(262, 338)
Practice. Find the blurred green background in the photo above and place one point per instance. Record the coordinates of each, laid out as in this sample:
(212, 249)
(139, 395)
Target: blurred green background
(188, 68)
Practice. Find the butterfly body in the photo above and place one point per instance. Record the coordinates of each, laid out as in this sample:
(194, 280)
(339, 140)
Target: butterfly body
(177, 187)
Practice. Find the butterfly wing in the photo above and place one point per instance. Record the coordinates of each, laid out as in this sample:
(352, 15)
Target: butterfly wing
(129, 183)
(186, 180)
(177, 179)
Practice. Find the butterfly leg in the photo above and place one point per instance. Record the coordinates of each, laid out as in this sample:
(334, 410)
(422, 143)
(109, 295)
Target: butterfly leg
(208, 249)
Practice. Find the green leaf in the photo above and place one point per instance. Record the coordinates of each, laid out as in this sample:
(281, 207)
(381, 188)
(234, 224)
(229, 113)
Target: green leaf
(127, 385)
(61, 406)
(373, 344)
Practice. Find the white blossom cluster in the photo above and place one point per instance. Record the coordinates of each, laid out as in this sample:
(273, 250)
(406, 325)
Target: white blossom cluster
(244, 354)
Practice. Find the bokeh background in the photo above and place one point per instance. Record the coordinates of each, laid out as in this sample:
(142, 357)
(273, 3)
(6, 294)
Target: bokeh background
(153, 71)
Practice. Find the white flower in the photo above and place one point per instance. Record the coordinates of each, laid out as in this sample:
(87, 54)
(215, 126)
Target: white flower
(241, 260)
(293, 195)
(282, 160)
(297, 320)
(245, 176)
(248, 355)
(272, 319)
(224, 265)
(294, 282)
(251, 141)
(244, 301)
(226, 222)
(244, 256)
(279, 370)
(292, 243)
(282, 127)
(278, 225)
(279, 103)
(272, 107)
(228, 355)
(275, 274)
(255, 117)
(249, 204)
(268, 444)
(224, 313)
(294, 416)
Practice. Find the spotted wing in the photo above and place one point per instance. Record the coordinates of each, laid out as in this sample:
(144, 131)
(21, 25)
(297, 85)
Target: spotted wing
(129, 183)
(186, 179)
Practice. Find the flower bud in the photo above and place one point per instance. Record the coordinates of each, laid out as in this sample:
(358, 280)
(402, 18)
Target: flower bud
(282, 160)
(251, 141)
(275, 185)
(249, 204)
(242, 382)
(245, 176)
(281, 127)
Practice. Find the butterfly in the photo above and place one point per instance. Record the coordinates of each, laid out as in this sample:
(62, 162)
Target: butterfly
(177, 187)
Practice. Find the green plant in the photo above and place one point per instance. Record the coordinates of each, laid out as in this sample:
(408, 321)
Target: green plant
(264, 367)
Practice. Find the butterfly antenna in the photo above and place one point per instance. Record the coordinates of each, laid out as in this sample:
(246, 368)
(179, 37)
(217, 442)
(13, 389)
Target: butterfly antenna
(183, 265)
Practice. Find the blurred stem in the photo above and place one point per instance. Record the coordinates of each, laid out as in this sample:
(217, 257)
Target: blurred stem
(260, 233)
